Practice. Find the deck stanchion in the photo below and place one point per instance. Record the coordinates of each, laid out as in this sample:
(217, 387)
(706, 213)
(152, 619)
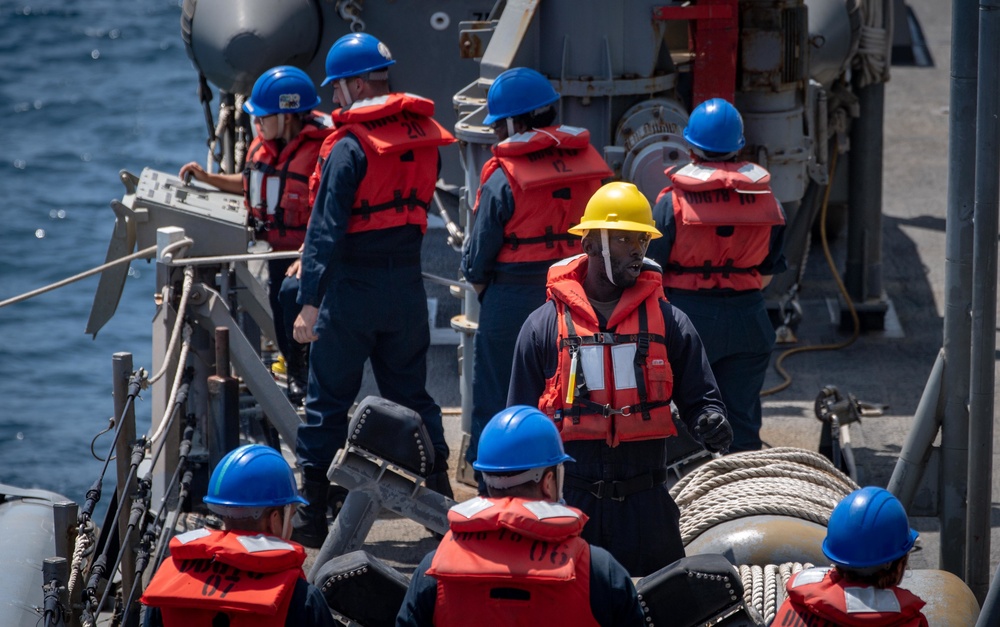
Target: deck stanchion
(126, 484)
(984, 304)
(223, 402)
(958, 285)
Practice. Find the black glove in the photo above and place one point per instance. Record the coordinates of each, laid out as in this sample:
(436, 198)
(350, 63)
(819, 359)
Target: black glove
(715, 431)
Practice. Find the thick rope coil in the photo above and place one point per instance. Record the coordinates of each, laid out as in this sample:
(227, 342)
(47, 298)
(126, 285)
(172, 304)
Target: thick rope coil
(763, 458)
(758, 469)
(770, 607)
(225, 114)
(875, 46)
(82, 549)
(764, 587)
(756, 586)
(240, 147)
(785, 572)
(746, 577)
(779, 482)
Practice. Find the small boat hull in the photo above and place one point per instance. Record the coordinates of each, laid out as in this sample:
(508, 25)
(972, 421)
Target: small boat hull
(28, 523)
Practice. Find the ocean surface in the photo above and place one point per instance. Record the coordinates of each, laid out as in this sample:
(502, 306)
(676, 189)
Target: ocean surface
(87, 88)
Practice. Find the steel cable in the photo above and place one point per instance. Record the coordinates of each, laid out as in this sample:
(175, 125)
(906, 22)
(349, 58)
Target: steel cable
(145, 253)
(175, 388)
(186, 287)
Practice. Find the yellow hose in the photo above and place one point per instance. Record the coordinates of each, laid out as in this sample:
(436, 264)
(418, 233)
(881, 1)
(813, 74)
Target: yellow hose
(779, 368)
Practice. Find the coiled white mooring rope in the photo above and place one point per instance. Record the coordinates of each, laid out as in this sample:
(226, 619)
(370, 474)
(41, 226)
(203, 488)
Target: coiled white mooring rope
(764, 587)
(778, 481)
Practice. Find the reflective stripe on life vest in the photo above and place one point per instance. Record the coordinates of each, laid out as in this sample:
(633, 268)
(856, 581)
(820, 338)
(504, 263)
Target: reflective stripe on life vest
(281, 215)
(248, 577)
(553, 172)
(400, 141)
(821, 597)
(513, 561)
(723, 214)
(612, 385)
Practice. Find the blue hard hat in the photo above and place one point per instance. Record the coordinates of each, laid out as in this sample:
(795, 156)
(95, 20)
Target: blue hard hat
(253, 475)
(354, 55)
(868, 528)
(516, 91)
(282, 89)
(519, 438)
(715, 126)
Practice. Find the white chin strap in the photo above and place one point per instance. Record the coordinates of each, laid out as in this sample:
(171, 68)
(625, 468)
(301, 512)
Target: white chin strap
(510, 127)
(286, 521)
(281, 125)
(346, 93)
(560, 480)
(606, 253)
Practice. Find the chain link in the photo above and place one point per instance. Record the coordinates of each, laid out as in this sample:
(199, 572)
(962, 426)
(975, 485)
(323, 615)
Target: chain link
(350, 11)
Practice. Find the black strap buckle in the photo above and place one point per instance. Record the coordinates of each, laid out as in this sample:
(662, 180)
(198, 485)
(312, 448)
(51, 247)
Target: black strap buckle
(619, 490)
(642, 344)
(607, 411)
(604, 338)
(606, 489)
(258, 225)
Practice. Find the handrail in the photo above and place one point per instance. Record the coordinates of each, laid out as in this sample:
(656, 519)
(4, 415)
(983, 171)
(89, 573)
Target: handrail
(145, 253)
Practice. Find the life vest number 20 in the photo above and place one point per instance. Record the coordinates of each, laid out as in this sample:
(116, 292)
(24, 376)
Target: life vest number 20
(560, 166)
(414, 130)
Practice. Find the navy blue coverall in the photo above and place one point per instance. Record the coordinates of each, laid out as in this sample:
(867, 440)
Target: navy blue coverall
(642, 531)
(288, 296)
(372, 305)
(734, 326)
(282, 294)
(513, 290)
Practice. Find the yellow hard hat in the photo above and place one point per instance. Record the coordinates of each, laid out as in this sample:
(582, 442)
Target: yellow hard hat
(619, 206)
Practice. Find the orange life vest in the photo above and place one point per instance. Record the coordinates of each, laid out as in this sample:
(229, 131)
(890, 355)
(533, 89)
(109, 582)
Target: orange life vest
(723, 213)
(614, 385)
(512, 561)
(249, 577)
(283, 225)
(553, 172)
(401, 142)
(820, 597)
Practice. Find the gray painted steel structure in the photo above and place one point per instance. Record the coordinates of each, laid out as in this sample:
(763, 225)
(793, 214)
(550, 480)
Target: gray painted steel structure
(964, 375)
(984, 303)
(958, 284)
(375, 485)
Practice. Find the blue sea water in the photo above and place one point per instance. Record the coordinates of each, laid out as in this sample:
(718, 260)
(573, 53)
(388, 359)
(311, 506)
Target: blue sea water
(87, 88)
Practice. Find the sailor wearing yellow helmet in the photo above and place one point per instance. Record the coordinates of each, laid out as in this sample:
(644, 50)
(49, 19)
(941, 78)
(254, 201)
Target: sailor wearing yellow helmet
(604, 358)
